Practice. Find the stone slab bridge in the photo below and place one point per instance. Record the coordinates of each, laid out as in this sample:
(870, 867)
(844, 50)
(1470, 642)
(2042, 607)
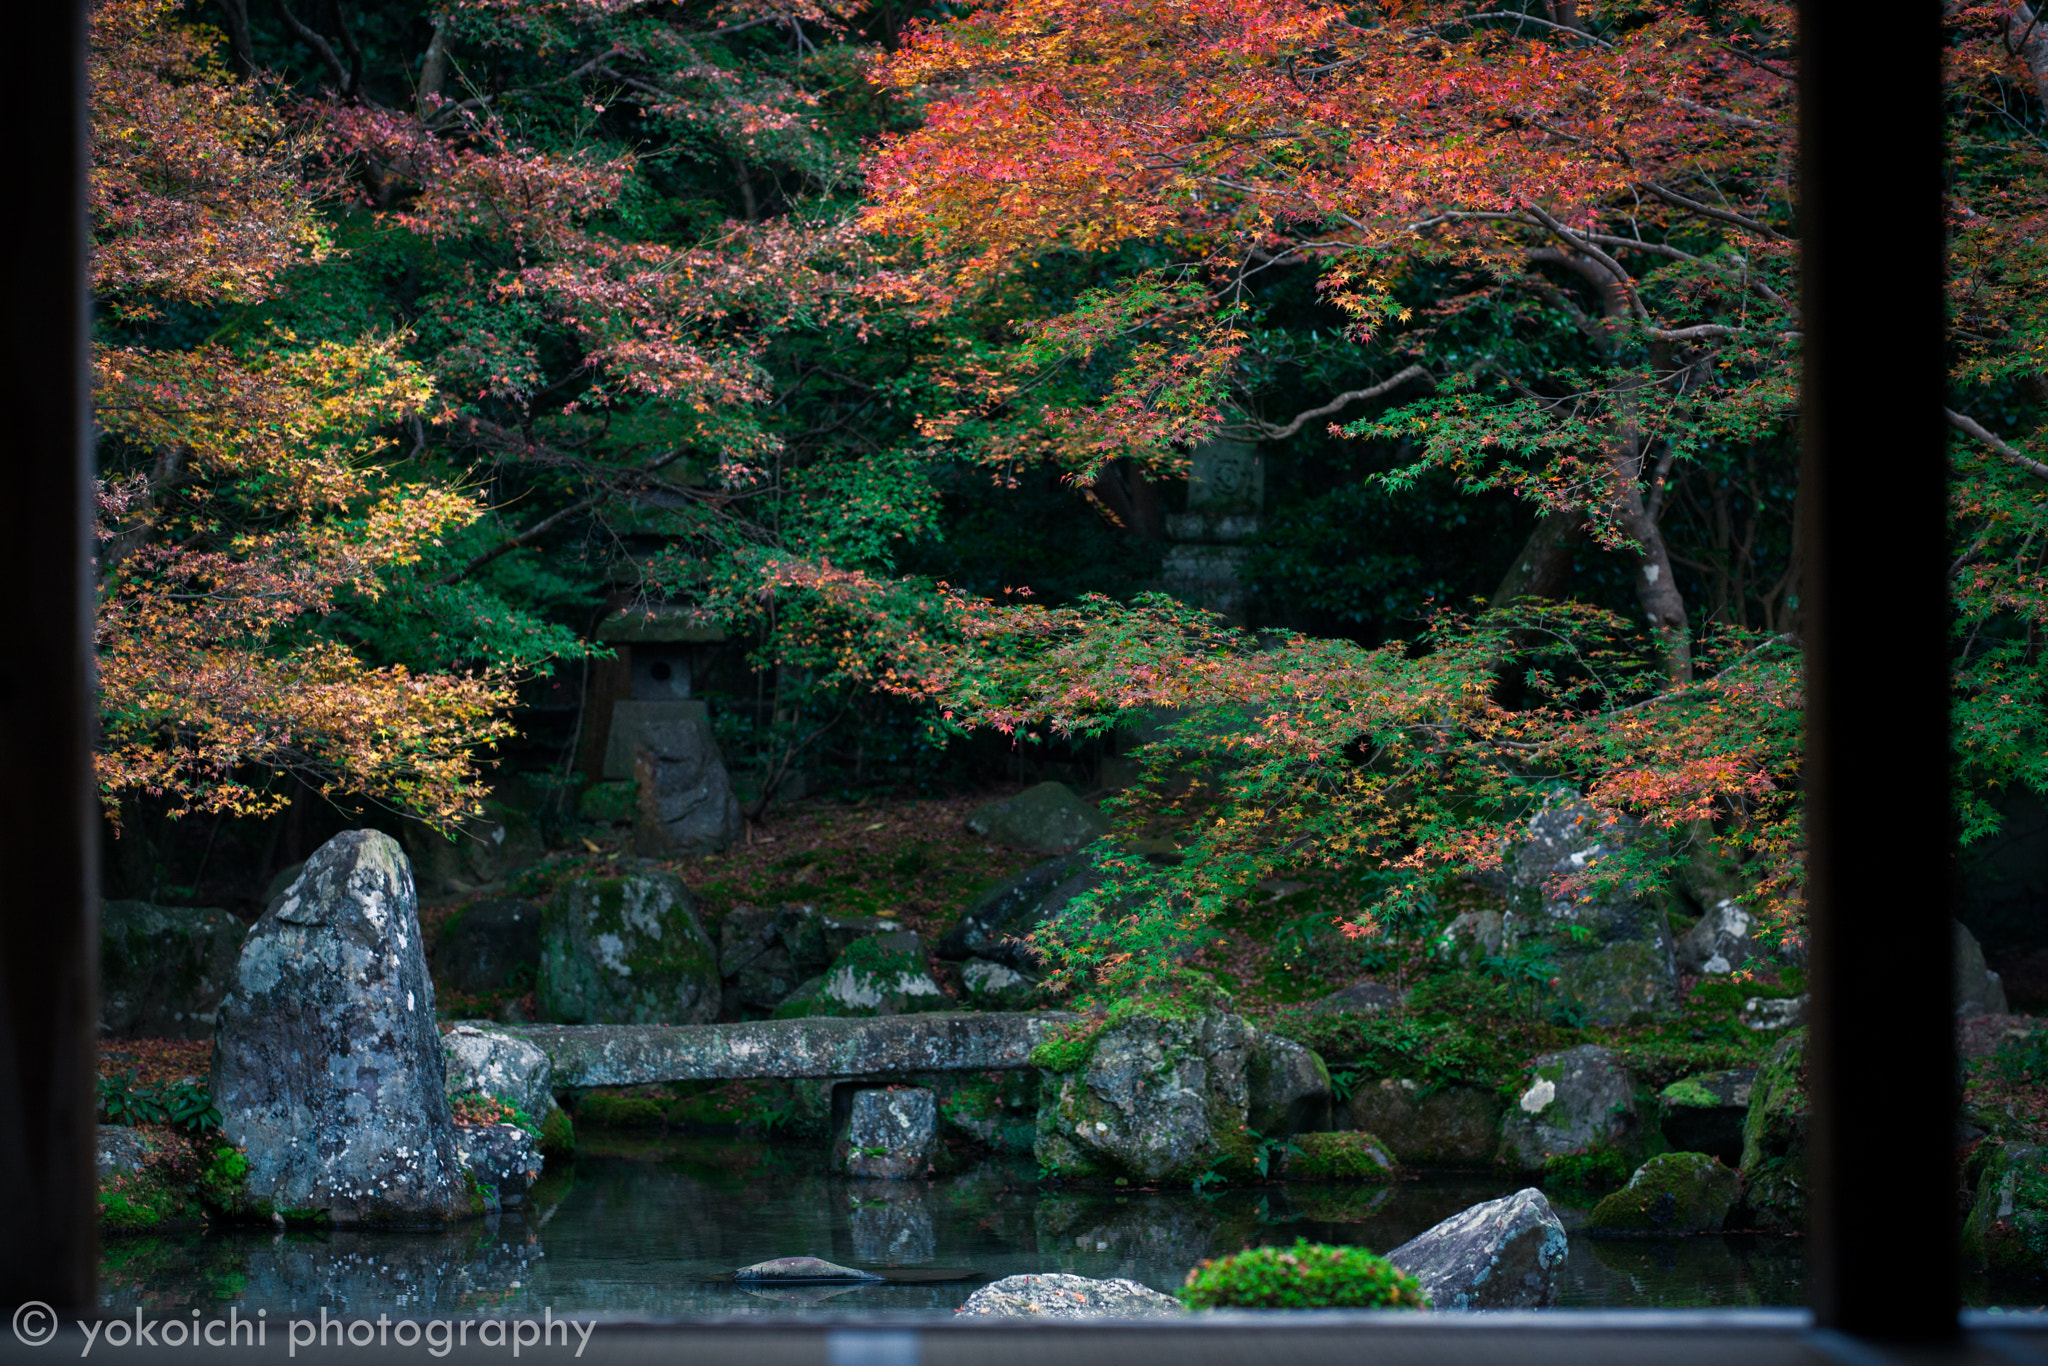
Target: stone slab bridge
(632, 1055)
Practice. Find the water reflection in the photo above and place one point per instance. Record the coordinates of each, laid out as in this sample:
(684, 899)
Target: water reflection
(635, 1229)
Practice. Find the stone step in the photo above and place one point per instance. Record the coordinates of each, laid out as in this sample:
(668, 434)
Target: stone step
(825, 1046)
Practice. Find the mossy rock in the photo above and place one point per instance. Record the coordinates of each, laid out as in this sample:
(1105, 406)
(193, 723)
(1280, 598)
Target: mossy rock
(1339, 1156)
(557, 1134)
(1774, 1141)
(1671, 1193)
(1305, 1276)
(2007, 1228)
(879, 974)
(626, 950)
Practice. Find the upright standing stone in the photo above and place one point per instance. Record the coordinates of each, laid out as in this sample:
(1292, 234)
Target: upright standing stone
(687, 805)
(891, 1133)
(327, 1067)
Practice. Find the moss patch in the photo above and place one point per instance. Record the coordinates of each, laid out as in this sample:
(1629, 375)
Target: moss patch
(1305, 1276)
(1672, 1193)
(1341, 1156)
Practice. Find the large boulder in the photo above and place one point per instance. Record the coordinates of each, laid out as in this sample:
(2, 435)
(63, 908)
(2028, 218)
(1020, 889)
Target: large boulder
(995, 926)
(879, 974)
(1579, 1101)
(1057, 1295)
(2007, 1227)
(1287, 1087)
(1671, 1193)
(489, 946)
(1047, 818)
(1774, 1141)
(766, 952)
(164, 969)
(1719, 941)
(485, 848)
(1503, 1254)
(481, 1062)
(1338, 1156)
(1156, 1098)
(891, 1134)
(1978, 989)
(1610, 943)
(327, 1066)
(626, 950)
(1448, 1126)
(686, 801)
(1705, 1113)
(1472, 938)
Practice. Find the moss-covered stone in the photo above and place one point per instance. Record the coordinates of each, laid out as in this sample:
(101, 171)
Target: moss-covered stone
(626, 950)
(880, 974)
(600, 1110)
(1450, 1126)
(998, 1110)
(1338, 1156)
(1774, 1141)
(557, 1134)
(1671, 1193)
(2007, 1228)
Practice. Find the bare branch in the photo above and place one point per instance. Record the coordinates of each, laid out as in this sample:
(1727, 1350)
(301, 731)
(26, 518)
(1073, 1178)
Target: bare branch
(1673, 197)
(1270, 432)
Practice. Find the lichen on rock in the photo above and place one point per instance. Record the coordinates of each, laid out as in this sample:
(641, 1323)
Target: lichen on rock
(1774, 1141)
(626, 950)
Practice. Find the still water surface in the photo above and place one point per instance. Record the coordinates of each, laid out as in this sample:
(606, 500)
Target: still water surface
(631, 1230)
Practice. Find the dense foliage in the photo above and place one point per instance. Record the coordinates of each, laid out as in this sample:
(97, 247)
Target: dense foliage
(1305, 1276)
(430, 335)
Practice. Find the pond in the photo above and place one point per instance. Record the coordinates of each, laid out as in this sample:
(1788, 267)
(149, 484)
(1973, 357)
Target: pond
(634, 1229)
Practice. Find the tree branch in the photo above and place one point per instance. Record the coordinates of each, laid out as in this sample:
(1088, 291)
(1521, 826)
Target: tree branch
(317, 43)
(1969, 427)
(1270, 432)
(1674, 198)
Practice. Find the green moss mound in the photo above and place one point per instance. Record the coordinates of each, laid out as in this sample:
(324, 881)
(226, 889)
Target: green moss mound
(1669, 1194)
(1342, 1156)
(557, 1134)
(600, 1111)
(1069, 1053)
(1305, 1276)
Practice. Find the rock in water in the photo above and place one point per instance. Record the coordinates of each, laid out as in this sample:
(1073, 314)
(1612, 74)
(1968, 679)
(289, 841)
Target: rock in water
(687, 804)
(1503, 1254)
(995, 926)
(1577, 1101)
(163, 969)
(804, 1269)
(512, 1070)
(1157, 1099)
(504, 1158)
(626, 950)
(1048, 818)
(1774, 1141)
(327, 1067)
(1056, 1295)
(891, 1134)
(1671, 1193)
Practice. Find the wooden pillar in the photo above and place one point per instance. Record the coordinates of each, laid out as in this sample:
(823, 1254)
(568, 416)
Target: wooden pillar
(49, 910)
(1881, 1060)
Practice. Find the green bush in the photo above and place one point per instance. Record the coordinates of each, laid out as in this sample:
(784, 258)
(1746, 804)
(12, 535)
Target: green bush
(1433, 1052)
(1305, 1276)
(186, 1105)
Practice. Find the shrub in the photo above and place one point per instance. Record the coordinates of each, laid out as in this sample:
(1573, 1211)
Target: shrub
(1305, 1276)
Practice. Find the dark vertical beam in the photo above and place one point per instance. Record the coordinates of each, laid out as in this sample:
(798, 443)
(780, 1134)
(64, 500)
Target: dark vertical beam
(48, 859)
(1881, 1065)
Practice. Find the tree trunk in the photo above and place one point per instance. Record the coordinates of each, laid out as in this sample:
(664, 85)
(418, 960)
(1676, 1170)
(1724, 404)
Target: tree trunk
(1543, 569)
